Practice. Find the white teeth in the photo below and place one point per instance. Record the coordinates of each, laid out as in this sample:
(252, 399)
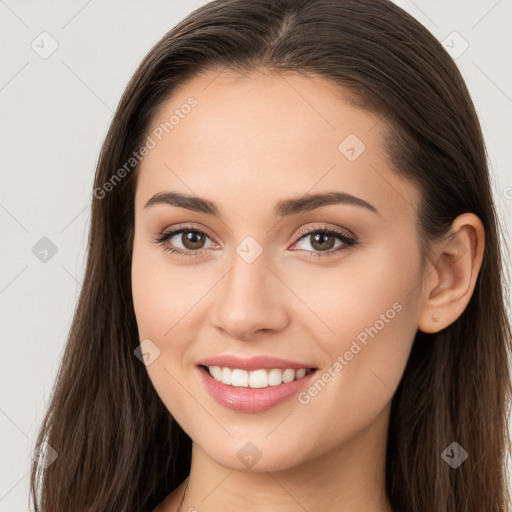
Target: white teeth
(274, 377)
(239, 378)
(300, 373)
(216, 372)
(288, 375)
(226, 376)
(256, 378)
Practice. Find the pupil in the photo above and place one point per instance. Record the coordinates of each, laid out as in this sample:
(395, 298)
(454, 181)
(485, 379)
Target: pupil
(192, 240)
(320, 239)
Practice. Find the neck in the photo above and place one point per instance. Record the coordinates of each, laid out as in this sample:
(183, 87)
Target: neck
(348, 478)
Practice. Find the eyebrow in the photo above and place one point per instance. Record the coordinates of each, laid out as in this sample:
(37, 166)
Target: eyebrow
(283, 208)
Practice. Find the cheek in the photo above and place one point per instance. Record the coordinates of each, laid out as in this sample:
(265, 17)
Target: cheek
(162, 294)
(377, 286)
(371, 309)
(147, 292)
(160, 305)
(169, 311)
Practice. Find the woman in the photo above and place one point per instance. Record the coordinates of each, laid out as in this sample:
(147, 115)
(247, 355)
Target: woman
(293, 295)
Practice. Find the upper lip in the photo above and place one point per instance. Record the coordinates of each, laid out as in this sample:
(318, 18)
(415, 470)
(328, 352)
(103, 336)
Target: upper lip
(252, 363)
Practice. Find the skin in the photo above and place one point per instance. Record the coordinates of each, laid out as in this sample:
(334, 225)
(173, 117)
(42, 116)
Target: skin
(251, 142)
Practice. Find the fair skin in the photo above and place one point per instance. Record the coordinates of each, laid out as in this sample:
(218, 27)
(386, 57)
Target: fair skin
(249, 143)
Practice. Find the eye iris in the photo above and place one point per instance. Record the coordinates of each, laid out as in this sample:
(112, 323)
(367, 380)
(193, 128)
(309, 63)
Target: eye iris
(319, 240)
(192, 240)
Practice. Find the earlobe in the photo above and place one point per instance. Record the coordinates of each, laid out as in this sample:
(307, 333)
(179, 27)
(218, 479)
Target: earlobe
(452, 275)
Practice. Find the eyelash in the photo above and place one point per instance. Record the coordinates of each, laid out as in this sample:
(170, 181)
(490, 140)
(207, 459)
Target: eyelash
(348, 242)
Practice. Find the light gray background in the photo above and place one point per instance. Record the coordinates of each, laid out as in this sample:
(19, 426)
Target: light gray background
(55, 112)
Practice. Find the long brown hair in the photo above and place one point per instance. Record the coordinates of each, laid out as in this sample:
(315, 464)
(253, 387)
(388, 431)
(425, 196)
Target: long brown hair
(119, 449)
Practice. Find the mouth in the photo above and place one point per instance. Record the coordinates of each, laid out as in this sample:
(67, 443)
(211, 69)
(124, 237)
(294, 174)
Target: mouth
(255, 379)
(253, 391)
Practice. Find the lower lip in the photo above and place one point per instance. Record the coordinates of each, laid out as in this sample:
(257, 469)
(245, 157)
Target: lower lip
(248, 399)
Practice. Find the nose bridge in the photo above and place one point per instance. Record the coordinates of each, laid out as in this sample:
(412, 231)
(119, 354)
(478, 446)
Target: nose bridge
(250, 299)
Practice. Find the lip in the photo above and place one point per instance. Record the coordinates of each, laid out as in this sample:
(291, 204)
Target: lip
(249, 400)
(253, 363)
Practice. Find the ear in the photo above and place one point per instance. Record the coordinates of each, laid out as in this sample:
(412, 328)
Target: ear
(451, 274)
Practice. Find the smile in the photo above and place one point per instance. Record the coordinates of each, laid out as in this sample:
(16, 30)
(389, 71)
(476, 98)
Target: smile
(253, 391)
(256, 379)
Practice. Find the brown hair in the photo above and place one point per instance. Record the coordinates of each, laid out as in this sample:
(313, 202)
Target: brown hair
(119, 448)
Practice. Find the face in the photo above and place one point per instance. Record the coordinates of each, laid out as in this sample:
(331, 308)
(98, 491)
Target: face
(259, 269)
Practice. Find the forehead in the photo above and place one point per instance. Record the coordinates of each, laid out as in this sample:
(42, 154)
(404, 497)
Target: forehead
(269, 136)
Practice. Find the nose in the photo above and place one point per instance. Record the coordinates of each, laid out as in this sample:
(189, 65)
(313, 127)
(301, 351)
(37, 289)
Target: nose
(251, 300)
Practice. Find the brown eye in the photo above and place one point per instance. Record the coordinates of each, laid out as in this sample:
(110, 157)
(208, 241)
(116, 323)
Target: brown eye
(325, 240)
(322, 241)
(184, 241)
(192, 239)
